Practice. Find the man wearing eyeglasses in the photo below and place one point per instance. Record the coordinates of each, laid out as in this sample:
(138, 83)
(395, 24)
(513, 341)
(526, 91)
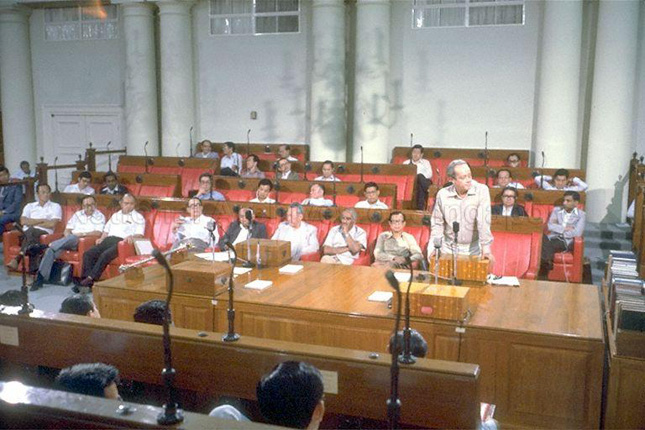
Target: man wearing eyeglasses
(284, 170)
(194, 229)
(86, 222)
(206, 191)
(396, 248)
(509, 206)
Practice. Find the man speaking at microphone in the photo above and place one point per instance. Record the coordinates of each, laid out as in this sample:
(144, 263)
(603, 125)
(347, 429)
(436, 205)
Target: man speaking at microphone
(466, 205)
(245, 227)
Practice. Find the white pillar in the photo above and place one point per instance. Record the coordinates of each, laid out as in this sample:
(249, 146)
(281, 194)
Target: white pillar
(371, 102)
(141, 119)
(16, 85)
(177, 90)
(328, 102)
(612, 109)
(558, 95)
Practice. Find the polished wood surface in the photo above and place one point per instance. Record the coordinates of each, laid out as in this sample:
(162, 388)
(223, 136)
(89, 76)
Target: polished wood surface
(207, 364)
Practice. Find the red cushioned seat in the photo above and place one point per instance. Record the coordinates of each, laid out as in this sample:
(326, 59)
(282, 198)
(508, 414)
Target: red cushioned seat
(126, 249)
(238, 195)
(190, 179)
(567, 266)
(288, 198)
(516, 254)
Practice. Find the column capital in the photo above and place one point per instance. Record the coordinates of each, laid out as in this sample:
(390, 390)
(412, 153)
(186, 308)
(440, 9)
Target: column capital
(172, 7)
(136, 8)
(14, 12)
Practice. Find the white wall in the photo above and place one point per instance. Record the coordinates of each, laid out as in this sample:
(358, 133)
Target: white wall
(74, 73)
(450, 85)
(639, 102)
(238, 74)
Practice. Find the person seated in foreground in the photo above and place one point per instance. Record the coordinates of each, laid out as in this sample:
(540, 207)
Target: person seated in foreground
(87, 222)
(284, 151)
(509, 206)
(513, 160)
(303, 236)
(231, 163)
(206, 191)
(372, 193)
(424, 175)
(92, 379)
(112, 186)
(505, 179)
(10, 200)
(79, 304)
(263, 191)
(345, 241)
(252, 170)
(327, 171)
(83, 186)
(206, 150)
(151, 312)
(284, 171)
(238, 231)
(195, 228)
(317, 196)
(560, 182)
(395, 248)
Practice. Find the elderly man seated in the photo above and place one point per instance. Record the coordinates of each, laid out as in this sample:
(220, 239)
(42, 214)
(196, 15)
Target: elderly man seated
(303, 236)
(344, 242)
(327, 171)
(395, 248)
(242, 229)
(317, 196)
(194, 229)
(206, 191)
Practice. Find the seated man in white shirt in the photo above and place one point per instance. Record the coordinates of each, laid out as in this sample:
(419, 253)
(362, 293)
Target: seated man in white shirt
(127, 224)
(561, 182)
(239, 230)
(263, 191)
(371, 201)
(284, 151)
(38, 218)
(327, 171)
(505, 179)
(317, 196)
(303, 236)
(424, 175)
(24, 172)
(86, 222)
(194, 229)
(231, 163)
(344, 242)
(83, 186)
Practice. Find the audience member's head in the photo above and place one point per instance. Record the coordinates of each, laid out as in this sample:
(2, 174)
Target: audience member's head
(128, 202)
(284, 151)
(291, 395)
(194, 207)
(79, 304)
(207, 146)
(327, 169)
(418, 345)
(509, 196)
(44, 193)
(228, 148)
(397, 221)
(4, 175)
(513, 160)
(151, 312)
(84, 179)
(11, 298)
(348, 217)
(88, 205)
(417, 153)
(205, 183)
(241, 216)
(570, 200)
(92, 379)
(316, 191)
(560, 178)
(111, 180)
(504, 177)
(371, 192)
(252, 162)
(25, 167)
(264, 189)
(295, 214)
(284, 165)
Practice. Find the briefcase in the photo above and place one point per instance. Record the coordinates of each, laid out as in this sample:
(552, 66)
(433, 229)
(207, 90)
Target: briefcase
(61, 273)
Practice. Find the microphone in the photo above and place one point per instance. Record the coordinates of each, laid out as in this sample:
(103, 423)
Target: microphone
(542, 172)
(231, 336)
(145, 151)
(248, 142)
(455, 229)
(107, 147)
(486, 149)
(26, 307)
(406, 357)
(171, 414)
(190, 138)
(393, 403)
(177, 149)
(55, 174)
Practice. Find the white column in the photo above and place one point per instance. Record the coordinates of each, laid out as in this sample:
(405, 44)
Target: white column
(612, 109)
(558, 95)
(177, 90)
(328, 106)
(16, 85)
(371, 103)
(142, 124)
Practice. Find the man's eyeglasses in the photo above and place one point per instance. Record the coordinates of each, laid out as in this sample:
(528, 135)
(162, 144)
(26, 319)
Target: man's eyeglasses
(508, 196)
(194, 205)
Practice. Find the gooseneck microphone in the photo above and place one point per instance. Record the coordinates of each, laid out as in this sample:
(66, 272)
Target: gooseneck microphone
(171, 413)
(190, 138)
(455, 229)
(55, 175)
(26, 307)
(406, 357)
(393, 403)
(107, 147)
(145, 151)
(542, 172)
(231, 336)
(361, 163)
(437, 255)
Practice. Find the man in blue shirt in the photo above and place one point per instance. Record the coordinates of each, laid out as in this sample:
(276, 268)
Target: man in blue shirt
(206, 191)
(10, 200)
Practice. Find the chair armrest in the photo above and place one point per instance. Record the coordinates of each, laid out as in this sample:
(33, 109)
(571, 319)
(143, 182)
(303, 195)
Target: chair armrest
(578, 258)
(125, 250)
(313, 256)
(85, 243)
(364, 259)
(10, 238)
(47, 239)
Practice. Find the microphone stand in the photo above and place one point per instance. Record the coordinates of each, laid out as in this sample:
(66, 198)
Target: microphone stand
(393, 403)
(277, 183)
(248, 262)
(333, 185)
(107, 147)
(177, 149)
(171, 413)
(361, 164)
(231, 336)
(145, 151)
(437, 256)
(248, 143)
(455, 229)
(27, 307)
(542, 173)
(406, 357)
(55, 176)
(190, 138)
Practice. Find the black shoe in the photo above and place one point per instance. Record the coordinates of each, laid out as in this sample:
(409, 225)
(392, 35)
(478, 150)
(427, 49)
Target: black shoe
(76, 289)
(38, 283)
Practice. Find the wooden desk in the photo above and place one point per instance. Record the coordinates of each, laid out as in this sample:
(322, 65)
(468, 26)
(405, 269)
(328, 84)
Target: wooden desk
(540, 346)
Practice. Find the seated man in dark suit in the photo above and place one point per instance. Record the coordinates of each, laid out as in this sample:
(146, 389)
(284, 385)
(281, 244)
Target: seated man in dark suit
(238, 231)
(10, 200)
(509, 206)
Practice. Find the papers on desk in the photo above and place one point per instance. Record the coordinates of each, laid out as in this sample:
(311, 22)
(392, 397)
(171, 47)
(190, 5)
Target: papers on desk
(402, 276)
(290, 269)
(509, 281)
(241, 270)
(258, 285)
(380, 296)
(219, 256)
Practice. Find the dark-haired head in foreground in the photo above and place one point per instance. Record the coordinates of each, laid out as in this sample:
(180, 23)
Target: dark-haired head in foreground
(151, 312)
(418, 345)
(291, 395)
(79, 304)
(92, 379)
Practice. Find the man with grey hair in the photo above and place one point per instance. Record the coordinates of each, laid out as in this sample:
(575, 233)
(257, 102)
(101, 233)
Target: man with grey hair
(467, 203)
(303, 236)
(344, 242)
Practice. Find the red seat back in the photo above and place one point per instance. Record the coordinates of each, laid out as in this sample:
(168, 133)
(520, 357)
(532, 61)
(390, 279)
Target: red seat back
(124, 168)
(516, 254)
(421, 234)
(190, 179)
(156, 190)
(162, 229)
(238, 195)
(288, 198)
(165, 170)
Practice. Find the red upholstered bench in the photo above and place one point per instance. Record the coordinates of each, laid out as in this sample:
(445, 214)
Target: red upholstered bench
(156, 190)
(567, 266)
(517, 254)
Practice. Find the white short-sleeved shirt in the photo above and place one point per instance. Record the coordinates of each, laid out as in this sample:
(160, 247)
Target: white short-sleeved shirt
(267, 200)
(423, 167)
(332, 178)
(125, 225)
(335, 239)
(317, 202)
(304, 240)
(81, 223)
(364, 204)
(73, 188)
(230, 161)
(49, 210)
(197, 229)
